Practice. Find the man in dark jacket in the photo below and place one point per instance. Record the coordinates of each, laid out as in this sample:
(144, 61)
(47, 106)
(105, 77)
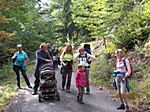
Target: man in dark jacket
(42, 57)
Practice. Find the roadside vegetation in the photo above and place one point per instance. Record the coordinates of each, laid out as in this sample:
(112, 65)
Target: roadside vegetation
(8, 86)
(102, 74)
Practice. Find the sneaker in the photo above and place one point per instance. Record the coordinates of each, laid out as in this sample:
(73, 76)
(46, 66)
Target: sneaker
(68, 90)
(87, 93)
(121, 107)
(34, 93)
(63, 89)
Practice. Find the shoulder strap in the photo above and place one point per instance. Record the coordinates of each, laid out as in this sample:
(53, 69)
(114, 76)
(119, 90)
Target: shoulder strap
(86, 55)
(124, 61)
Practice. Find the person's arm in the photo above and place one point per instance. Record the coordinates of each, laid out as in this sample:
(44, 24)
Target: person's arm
(38, 56)
(76, 58)
(61, 58)
(26, 61)
(77, 79)
(91, 57)
(73, 65)
(14, 56)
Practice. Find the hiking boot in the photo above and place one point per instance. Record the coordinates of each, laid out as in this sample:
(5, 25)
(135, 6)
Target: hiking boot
(121, 107)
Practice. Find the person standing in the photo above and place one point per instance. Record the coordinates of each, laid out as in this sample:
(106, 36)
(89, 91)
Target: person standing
(85, 58)
(80, 82)
(42, 57)
(66, 59)
(20, 59)
(121, 79)
(55, 56)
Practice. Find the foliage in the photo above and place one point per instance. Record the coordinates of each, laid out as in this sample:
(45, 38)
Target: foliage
(102, 69)
(124, 22)
(8, 84)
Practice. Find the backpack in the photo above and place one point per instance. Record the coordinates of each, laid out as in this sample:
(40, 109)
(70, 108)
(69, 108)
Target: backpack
(124, 61)
(89, 62)
(87, 48)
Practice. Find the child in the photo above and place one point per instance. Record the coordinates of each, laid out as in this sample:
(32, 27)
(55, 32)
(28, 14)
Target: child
(80, 82)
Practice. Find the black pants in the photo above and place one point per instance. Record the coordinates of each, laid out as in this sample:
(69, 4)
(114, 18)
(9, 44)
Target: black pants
(37, 79)
(80, 93)
(66, 75)
(17, 69)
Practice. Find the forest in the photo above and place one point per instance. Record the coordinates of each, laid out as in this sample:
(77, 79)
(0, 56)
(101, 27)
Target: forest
(115, 23)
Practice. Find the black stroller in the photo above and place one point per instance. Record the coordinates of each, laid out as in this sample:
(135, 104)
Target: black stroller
(48, 83)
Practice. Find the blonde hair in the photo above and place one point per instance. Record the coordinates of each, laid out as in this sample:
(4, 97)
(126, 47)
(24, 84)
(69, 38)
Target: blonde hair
(69, 51)
(120, 53)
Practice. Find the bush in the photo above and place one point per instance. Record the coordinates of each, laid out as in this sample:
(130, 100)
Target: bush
(101, 70)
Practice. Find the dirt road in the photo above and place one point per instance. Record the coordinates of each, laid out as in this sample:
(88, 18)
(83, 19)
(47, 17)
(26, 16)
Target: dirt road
(97, 101)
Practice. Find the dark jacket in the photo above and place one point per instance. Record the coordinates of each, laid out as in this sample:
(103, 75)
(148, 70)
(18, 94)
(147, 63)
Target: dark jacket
(41, 55)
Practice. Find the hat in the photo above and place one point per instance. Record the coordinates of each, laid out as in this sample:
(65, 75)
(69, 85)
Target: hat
(19, 45)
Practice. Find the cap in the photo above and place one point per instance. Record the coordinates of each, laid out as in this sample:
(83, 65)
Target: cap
(19, 45)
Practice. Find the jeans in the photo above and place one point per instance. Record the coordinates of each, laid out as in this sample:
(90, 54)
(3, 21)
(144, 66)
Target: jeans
(66, 72)
(87, 79)
(17, 69)
(37, 79)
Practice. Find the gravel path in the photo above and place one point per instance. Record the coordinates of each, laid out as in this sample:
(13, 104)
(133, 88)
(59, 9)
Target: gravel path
(97, 101)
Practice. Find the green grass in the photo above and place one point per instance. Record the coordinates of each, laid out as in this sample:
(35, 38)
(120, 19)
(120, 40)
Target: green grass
(8, 84)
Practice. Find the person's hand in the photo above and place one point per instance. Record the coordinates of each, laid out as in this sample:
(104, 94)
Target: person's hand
(123, 80)
(89, 59)
(64, 64)
(47, 60)
(119, 75)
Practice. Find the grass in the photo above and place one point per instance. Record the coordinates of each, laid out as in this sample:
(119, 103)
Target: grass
(8, 86)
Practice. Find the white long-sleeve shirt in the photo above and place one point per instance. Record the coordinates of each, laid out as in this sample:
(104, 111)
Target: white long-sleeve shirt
(83, 59)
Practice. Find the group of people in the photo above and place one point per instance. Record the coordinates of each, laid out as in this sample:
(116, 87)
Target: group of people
(68, 60)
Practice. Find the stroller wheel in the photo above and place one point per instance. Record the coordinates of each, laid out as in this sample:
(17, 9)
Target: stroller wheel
(40, 97)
